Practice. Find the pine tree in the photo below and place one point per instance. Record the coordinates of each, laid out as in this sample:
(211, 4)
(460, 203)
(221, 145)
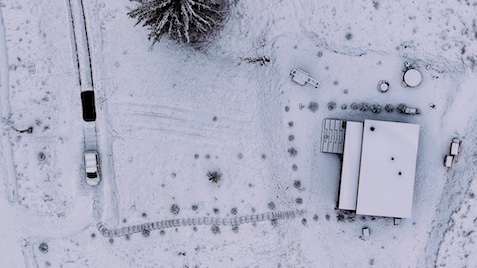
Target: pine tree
(186, 21)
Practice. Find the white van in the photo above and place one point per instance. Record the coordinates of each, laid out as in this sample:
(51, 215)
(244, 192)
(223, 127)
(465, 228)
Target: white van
(91, 161)
(448, 161)
(455, 147)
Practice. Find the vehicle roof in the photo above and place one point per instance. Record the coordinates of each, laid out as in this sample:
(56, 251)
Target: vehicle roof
(90, 155)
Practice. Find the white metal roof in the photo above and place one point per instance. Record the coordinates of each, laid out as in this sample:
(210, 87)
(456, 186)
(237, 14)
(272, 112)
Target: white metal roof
(388, 168)
(350, 166)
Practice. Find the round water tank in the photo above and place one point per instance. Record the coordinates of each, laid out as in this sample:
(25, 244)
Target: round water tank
(383, 86)
(412, 77)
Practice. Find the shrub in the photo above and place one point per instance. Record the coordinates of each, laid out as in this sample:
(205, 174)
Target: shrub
(43, 247)
(389, 108)
(297, 184)
(215, 229)
(214, 176)
(175, 209)
(292, 151)
(363, 107)
(145, 232)
(41, 156)
(313, 106)
(376, 108)
(186, 21)
(271, 205)
(401, 107)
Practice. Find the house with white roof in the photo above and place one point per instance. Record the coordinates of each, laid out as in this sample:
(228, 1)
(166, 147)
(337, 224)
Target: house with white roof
(379, 165)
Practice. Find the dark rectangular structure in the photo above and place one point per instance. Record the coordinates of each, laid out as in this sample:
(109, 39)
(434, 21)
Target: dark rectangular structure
(89, 108)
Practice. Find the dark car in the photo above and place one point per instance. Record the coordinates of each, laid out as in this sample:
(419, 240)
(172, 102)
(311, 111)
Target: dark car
(89, 109)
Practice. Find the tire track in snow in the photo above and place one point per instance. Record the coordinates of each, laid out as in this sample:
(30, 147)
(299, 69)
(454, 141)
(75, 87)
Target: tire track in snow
(457, 186)
(80, 44)
(283, 215)
(6, 152)
(97, 129)
(172, 120)
(105, 203)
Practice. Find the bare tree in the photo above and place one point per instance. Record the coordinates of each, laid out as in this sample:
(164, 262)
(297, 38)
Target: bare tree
(186, 21)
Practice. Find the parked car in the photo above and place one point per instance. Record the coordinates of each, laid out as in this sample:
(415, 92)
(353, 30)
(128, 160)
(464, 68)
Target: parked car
(89, 108)
(448, 161)
(455, 147)
(91, 161)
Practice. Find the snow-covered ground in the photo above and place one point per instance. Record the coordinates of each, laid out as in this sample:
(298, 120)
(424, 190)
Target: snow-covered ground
(170, 114)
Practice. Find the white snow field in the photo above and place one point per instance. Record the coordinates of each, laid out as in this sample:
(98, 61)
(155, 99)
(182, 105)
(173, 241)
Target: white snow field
(168, 115)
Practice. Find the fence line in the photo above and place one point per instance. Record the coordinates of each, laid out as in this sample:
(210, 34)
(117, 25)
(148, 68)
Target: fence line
(197, 221)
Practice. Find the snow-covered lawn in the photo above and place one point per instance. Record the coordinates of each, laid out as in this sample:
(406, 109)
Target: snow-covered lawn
(170, 114)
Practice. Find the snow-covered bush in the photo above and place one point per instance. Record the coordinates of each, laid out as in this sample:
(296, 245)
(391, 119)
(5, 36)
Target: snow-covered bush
(363, 106)
(389, 108)
(297, 184)
(186, 21)
(401, 108)
(271, 205)
(313, 106)
(43, 247)
(292, 151)
(175, 209)
(41, 156)
(145, 233)
(215, 229)
(214, 176)
(376, 108)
